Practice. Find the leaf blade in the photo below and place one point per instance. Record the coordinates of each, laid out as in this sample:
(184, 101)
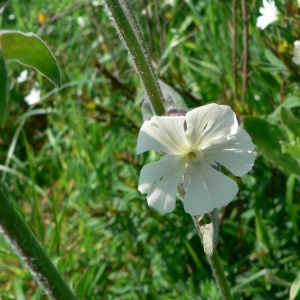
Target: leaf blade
(290, 121)
(269, 138)
(30, 50)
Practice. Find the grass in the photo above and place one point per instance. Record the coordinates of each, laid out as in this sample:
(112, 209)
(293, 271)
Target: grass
(73, 168)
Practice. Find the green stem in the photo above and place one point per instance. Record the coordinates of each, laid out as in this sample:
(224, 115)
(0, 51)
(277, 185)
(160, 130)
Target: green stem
(131, 37)
(212, 254)
(218, 271)
(31, 252)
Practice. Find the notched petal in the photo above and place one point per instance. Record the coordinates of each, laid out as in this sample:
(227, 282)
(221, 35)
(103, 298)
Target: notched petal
(208, 189)
(198, 118)
(235, 154)
(173, 127)
(153, 138)
(160, 180)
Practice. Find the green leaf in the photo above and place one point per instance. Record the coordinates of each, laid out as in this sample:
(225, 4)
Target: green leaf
(261, 231)
(293, 150)
(288, 119)
(276, 65)
(291, 202)
(30, 50)
(295, 288)
(268, 138)
(3, 89)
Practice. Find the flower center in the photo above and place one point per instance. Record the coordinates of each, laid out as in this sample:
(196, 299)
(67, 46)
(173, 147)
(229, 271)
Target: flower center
(194, 156)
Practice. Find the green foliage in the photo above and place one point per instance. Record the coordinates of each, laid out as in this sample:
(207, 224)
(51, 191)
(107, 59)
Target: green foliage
(295, 288)
(69, 163)
(292, 124)
(30, 50)
(3, 88)
(269, 137)
(27, 49)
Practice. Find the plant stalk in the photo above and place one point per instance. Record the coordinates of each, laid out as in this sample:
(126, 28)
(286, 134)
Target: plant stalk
(128, 30)
(215, 263)
(31, 252)
(219, 275)
(234, 58)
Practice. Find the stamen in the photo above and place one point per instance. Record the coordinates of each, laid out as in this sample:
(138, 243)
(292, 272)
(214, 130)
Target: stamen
(192, 155)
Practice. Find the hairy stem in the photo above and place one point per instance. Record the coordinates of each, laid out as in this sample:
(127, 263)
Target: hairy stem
(219, 275)
(234, 59)
(121, 13)
(31, 252)
(213, 257)
(246, 49)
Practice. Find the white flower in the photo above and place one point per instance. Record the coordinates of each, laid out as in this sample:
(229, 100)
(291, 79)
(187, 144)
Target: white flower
(269, 14)
(22, 77)
(11, 17)
(34, 96)
(296, 57)
(81, 21)
(96, 3)
(193, 145)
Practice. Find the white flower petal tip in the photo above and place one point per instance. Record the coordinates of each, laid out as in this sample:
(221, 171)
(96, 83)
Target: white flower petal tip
(269, 14)
(192, 144)
(22, 77)
(296, 56)
(208, 189)
(33, 97)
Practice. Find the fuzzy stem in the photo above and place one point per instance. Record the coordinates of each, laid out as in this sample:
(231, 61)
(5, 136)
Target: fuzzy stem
(246, 50)
(31, 252)
(219, 275)
(215, 264)
(234, 58)
(131, 37)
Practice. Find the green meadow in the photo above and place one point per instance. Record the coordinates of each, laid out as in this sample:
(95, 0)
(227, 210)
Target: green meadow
(69, 164)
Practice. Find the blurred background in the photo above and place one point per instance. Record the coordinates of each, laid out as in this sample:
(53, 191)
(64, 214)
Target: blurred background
(69, 162)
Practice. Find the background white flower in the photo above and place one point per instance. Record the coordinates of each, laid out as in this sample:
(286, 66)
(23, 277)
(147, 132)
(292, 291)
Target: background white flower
(22, 77)
(193, 144)
(296, 57)
(34, 96)
(269, 14)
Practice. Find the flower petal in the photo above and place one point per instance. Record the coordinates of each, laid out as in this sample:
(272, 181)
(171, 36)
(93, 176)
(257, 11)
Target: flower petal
(207, 189)
(162, 194)
(173, 127)
(152, 138)
(33, 97)
(261, 22)
(155, 171)
(223, 125)
(269, 14)
(296, 56)
(235, 153)
(198, 118)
